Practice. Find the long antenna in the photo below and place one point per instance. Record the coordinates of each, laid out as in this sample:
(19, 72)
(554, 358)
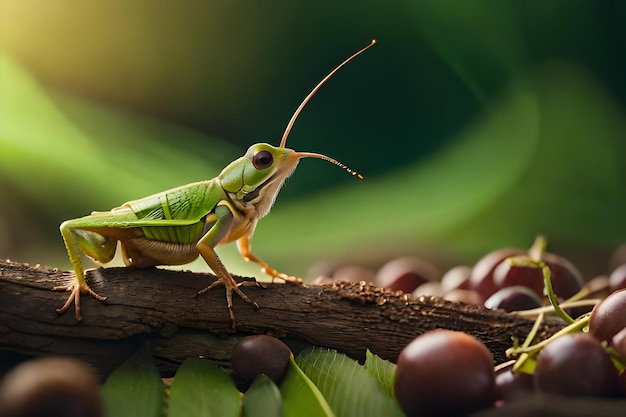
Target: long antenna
(283, 141)
(331, 160)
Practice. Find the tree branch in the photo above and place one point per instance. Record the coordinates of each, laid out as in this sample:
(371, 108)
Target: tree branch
(162, 307)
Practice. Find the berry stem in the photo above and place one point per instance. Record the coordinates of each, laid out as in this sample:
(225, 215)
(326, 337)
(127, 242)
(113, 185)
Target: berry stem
(521, 361)
(550, 309)
(576, 326)
(538, 248)
(547, 282)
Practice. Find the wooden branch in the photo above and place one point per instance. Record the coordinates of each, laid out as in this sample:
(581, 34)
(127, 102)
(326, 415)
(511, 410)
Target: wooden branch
(162, 307)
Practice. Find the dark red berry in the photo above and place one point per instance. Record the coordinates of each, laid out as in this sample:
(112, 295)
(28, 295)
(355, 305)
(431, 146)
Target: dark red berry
(575, 365)
(481, 279)
(609, 316)
(565, 278)
(432, 288)
(463, 296)
(322, 268)
(619, 343)
(51, 387)
(508, 274)
(617, 279)
(406, 274)
(456, 278)
(261, 354)
(353, 273)
(444, 372)
(513, 298)
(513, 386)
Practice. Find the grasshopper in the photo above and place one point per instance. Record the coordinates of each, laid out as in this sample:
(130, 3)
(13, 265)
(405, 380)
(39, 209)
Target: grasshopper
(176, 226)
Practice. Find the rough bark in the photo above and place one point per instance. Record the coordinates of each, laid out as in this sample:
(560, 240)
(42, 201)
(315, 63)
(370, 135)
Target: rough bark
(161, 306)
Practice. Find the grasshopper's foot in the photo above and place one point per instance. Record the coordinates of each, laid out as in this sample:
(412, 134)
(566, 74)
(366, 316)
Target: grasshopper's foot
(233, 286)
(275, 274)
(75, 291)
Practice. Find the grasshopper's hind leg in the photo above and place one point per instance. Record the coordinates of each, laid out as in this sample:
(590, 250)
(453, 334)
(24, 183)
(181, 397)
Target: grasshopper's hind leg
(243, 245)
(99, 247)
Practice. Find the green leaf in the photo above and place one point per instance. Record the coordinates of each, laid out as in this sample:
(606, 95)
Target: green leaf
(134, 389)
(263, 399)
(301, 398)
(201, 389)
(382, 370)
(347, 386)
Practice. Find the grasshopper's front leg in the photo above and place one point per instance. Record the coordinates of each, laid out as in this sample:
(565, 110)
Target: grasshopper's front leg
(96, 246)
(224, 220)
(243, 245)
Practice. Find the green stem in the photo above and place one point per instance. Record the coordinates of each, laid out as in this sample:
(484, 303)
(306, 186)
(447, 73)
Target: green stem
(538, 248)
(529, 338)
(533, 332)
(547, 281)
(550, 309)
(572, 328)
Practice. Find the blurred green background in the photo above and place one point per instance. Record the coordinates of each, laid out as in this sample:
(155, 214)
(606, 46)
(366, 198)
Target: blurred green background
(477, 124)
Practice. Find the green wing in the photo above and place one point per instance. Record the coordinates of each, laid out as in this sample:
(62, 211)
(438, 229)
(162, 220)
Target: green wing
(175, 215)
(188, 202)
(124, 220)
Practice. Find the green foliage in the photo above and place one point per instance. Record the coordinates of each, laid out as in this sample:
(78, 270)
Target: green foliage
(320, 383)
(301, 396)
(348, 387)
(382, 370)
(262, 399)
(202, 389)
(134, 389)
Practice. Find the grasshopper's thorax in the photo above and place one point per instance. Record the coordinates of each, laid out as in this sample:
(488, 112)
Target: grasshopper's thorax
(254, 180)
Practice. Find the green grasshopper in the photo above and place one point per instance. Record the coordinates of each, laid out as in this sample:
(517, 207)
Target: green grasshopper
(176, 226)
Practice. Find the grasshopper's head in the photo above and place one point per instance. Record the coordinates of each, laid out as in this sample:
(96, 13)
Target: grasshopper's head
(256, 178)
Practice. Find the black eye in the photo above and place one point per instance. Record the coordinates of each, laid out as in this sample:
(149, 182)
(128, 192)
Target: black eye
(262, 160)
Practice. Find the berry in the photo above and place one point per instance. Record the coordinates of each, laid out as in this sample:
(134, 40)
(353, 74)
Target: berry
(457, 277)
(565, 277)
(481, 279)
(406, 274)
(513, 298)
(617, 279)
(261, 354)
(609, 316)
(509, 275)
(432, 288)
(353, 273)
(51, 387)
(463, 296)
(619, 343)
(575, 365)
(444, 372)
(513, 386)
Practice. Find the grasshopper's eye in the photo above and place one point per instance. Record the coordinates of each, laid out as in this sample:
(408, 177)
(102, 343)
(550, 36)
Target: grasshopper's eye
(262, 160)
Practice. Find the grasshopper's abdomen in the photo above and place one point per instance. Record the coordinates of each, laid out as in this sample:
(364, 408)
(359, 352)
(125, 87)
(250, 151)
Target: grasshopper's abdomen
(177, 234)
